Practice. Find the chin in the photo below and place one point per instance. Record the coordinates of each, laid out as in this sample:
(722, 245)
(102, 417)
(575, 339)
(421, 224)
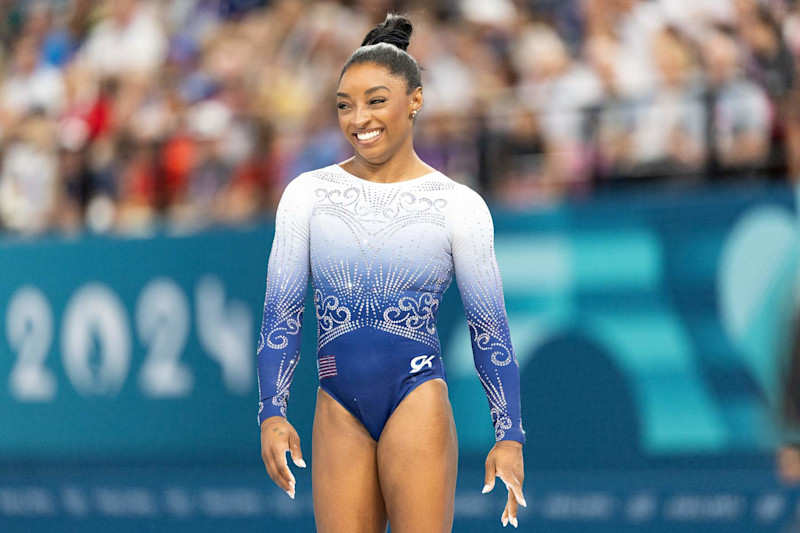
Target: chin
(375, 158)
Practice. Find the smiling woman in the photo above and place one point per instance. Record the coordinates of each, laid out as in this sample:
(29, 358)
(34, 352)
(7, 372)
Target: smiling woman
(375, 115)
(379, 96)
(382, 235)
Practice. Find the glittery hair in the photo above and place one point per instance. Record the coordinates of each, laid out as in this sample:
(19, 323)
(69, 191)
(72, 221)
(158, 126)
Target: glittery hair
(386, 45)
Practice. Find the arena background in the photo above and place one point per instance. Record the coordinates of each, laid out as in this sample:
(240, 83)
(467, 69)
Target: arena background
(641, 161)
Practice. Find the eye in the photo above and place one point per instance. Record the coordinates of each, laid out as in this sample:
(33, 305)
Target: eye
(341, 105)
(378, 100)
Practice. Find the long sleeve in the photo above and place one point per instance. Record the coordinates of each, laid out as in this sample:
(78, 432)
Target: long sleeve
(287, 280)
(478, 279)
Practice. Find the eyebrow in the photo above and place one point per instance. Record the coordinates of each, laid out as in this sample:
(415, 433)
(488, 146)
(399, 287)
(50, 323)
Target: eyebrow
(368, 91)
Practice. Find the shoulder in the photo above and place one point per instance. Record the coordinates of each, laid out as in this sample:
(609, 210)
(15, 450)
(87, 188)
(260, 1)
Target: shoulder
(303, 183)
(468, 201)
(294, 189)
(298, 194)
(467, 211)
(456, 190)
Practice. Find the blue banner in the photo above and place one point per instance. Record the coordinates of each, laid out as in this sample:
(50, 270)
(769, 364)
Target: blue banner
(130, 348)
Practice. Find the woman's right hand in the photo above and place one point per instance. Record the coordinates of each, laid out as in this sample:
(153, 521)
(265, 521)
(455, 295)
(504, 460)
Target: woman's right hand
(789, 464)
(278, 436)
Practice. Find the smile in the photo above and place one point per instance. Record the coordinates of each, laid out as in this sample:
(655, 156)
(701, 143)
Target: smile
(368, 136)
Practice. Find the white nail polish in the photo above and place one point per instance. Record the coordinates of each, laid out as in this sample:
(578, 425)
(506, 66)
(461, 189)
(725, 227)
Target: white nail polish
(522, 502)
(486, 488)
(514, 521)
(504, 521)
(300, 463)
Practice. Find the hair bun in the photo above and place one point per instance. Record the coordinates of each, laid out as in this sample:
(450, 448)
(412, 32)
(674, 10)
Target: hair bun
(395, 30)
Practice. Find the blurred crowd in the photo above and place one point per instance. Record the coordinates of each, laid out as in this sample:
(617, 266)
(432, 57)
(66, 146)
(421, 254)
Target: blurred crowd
(127, 115)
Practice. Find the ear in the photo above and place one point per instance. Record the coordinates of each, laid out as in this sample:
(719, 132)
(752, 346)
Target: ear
(416, 101)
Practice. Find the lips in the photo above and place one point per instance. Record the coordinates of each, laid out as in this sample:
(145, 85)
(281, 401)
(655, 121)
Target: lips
(368, 136)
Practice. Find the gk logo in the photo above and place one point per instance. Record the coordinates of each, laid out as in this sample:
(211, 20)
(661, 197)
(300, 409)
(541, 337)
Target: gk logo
(420, 362)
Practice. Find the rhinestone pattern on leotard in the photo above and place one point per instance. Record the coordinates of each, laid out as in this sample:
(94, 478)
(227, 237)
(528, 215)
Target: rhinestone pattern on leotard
(380, 258)
(359, 279)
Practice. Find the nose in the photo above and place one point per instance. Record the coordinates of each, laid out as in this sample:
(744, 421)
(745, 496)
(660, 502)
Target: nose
(361, 117)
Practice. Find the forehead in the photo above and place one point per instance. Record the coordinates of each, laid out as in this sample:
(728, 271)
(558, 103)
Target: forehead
(362, 76)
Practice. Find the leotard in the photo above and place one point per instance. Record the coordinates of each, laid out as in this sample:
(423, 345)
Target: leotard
(380, 256)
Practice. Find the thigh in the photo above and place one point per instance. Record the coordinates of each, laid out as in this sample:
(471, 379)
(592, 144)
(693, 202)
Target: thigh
(418, 461)
(344, 471)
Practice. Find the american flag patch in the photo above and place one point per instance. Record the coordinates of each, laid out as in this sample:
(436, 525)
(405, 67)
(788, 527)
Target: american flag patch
(326, 366)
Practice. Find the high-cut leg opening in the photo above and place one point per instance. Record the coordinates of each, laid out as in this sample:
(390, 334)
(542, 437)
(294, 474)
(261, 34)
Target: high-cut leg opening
(409, 391)
(355, 415)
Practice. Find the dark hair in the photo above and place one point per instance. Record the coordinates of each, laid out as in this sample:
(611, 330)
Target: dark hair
(386, 45)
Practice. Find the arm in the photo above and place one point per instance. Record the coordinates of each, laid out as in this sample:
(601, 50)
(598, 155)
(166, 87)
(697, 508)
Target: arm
(284, 303)
(478, 278)
(279, 341)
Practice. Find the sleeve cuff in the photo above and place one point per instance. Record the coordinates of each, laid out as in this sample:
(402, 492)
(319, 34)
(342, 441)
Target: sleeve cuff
(516, 434)
(268, 407)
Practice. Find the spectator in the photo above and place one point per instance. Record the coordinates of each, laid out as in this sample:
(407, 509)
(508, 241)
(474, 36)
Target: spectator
(631, 23)
(669, 137)
(31, 86)
(791, 34)
(613, 118)
(772, 66)
(517, 159)
(28, 178)
(129, 40)
(209, 176)
(561, 91)
(739, 120)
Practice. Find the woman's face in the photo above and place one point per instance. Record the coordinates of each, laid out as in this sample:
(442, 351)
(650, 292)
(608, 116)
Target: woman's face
(374, 110)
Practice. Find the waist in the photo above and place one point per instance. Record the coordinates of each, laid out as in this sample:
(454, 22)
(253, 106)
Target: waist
(385, 335)
(378, 339)
(365, 362)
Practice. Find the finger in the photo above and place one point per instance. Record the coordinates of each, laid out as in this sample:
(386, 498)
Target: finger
(265, 457)
(294, 449)
(514, 485)
(512, 509)
(286, 472)
(517, 490)
(504, 518)
(488, 479)
(272, 470)
(287, 481)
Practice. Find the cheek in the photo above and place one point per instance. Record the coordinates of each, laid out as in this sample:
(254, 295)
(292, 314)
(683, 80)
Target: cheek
(343, 123)
(399, 118)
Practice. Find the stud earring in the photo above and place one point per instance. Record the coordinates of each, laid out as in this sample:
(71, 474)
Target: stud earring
(414, 113)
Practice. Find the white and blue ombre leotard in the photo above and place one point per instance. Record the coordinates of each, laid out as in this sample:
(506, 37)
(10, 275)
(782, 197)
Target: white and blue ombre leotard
(381, 255)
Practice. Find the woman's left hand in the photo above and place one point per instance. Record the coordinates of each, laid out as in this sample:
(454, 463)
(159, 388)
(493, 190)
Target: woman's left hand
(505, 461)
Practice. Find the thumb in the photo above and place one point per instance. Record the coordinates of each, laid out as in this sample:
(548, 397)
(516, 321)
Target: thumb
(294, 450)
(489, 477)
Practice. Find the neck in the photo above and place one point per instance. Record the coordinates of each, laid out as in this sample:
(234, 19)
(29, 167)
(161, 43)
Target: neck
(404, 165)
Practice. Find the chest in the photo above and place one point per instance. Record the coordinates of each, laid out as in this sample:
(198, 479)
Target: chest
(379, 224)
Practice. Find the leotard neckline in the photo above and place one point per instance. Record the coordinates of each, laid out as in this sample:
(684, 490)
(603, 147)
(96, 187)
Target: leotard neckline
(338, 167)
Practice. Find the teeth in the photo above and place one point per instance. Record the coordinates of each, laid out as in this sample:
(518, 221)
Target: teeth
(368, 135)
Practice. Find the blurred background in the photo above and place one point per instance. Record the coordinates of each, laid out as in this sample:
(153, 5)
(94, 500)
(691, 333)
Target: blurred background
(641, 159)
